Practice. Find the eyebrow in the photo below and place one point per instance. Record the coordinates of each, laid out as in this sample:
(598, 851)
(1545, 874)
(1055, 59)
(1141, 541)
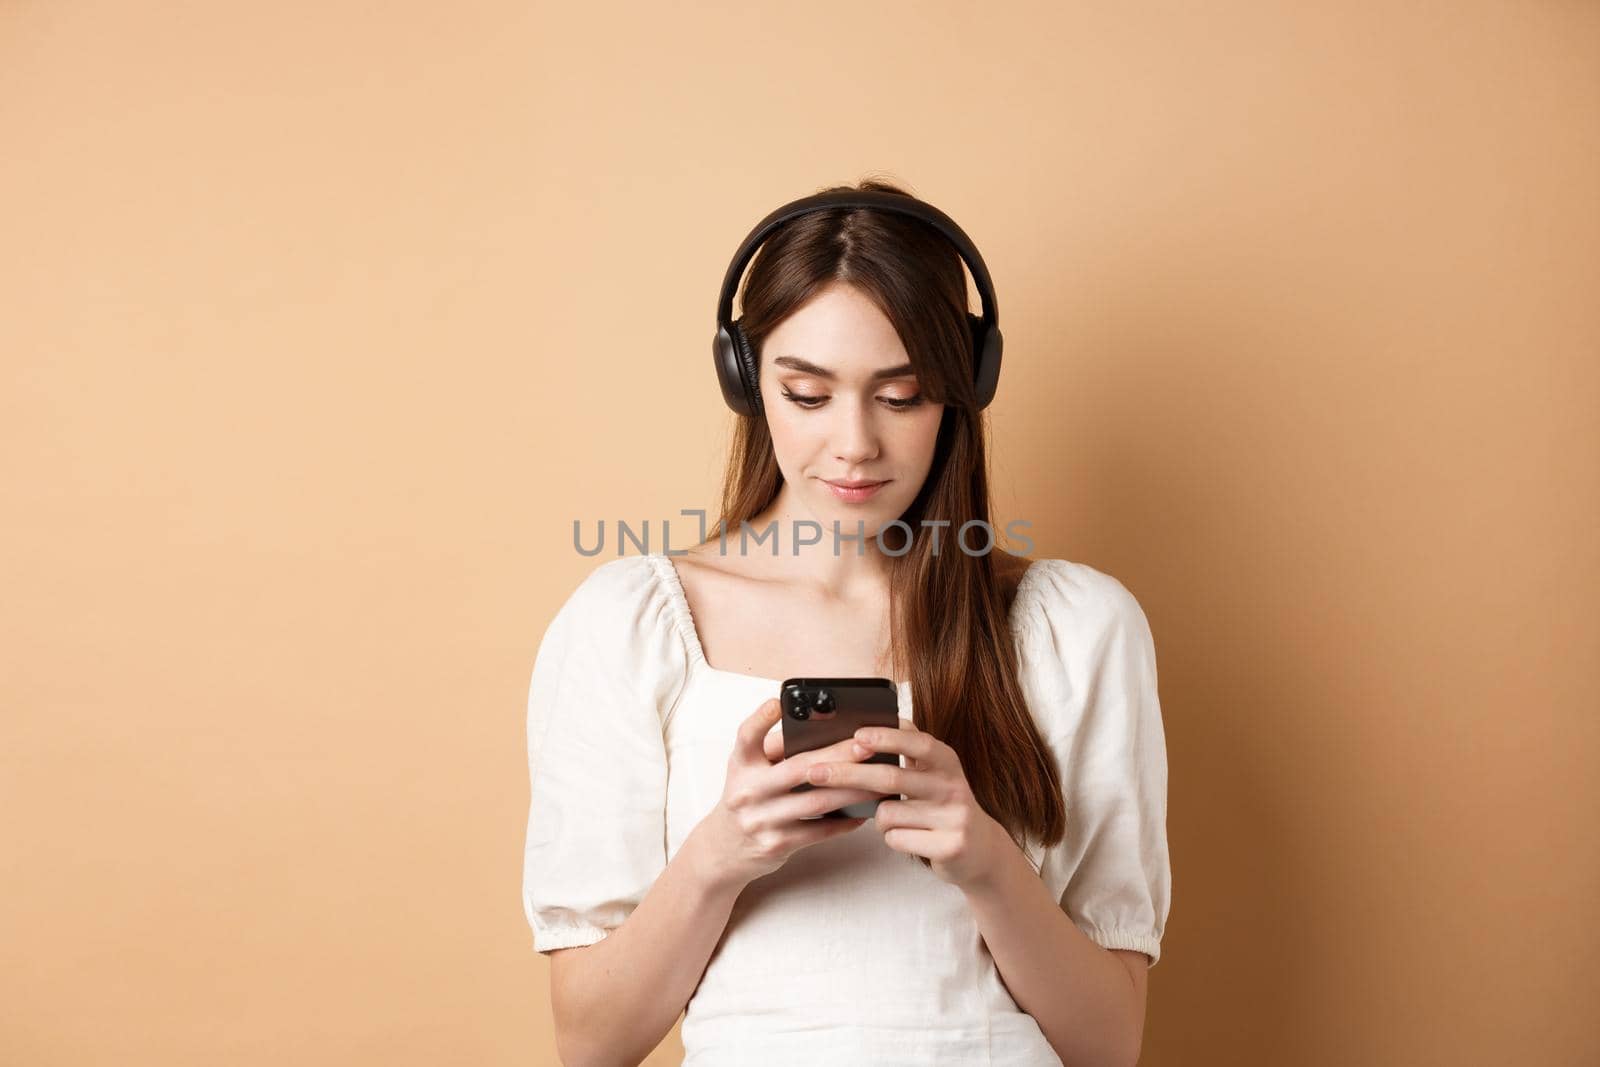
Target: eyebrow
(805, 367)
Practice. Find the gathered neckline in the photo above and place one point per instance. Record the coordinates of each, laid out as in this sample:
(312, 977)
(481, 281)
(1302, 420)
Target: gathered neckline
(666, 572)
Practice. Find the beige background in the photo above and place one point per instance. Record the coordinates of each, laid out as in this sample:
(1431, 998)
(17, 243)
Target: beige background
(324, 320)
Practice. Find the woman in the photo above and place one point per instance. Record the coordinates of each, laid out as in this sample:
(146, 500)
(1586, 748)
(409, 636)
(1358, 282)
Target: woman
(1009, 896)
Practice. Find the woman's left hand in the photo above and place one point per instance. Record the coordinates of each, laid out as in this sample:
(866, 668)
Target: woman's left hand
(940, 819)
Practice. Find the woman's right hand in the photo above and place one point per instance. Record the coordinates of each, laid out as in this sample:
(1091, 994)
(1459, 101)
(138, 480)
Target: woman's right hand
(758, 824)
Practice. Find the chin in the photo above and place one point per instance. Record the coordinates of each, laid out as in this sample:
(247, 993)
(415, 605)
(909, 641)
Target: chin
(873, 514)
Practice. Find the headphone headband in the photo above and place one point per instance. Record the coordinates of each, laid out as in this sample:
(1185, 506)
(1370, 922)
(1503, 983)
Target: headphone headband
(871, 198)
(737, 366)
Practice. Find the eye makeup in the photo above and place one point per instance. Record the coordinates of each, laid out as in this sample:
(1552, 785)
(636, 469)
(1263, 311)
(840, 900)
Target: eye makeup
(811, 403)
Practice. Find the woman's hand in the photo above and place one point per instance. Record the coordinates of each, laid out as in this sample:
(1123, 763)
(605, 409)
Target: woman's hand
(939, 819)
(758, 824)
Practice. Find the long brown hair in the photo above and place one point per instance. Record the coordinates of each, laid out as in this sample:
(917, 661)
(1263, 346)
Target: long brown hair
(949, 611)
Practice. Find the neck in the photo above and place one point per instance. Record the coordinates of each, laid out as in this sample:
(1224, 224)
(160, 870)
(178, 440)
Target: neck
(851, 569)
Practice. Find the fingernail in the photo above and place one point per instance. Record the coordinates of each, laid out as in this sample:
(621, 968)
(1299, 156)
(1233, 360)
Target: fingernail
(859, 748)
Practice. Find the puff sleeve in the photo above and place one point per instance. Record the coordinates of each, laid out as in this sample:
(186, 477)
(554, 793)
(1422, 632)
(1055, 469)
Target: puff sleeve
(1090, 671)
(606, 673)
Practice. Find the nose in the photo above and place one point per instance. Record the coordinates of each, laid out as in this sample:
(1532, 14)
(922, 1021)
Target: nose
(855, 434)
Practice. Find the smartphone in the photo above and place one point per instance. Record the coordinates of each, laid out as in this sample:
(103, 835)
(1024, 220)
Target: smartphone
(818, 712)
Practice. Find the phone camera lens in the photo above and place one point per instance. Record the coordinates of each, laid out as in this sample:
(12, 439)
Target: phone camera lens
(797, 703)
(823, 701)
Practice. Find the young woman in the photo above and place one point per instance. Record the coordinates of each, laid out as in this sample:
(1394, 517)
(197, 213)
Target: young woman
(1005, 902)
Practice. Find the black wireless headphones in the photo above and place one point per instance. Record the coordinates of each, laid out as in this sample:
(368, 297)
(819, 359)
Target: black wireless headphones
(737, 369)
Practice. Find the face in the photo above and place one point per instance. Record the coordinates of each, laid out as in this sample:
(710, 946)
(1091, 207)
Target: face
(843, 405)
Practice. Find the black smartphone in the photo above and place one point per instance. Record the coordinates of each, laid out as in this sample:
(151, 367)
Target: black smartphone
(818, 712)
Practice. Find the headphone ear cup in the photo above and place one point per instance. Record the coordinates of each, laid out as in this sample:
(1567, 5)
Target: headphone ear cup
(730, 354)
(986, 345)
(749, 370)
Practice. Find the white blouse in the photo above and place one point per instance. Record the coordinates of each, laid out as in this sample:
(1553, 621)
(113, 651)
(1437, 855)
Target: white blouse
(851, 952)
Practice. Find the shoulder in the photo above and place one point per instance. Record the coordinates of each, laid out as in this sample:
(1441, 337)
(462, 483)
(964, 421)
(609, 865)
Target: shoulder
(617, 598)
(1063, 590)
(619, 580)
(1078, 609)
(1087, 658)
(618, 632)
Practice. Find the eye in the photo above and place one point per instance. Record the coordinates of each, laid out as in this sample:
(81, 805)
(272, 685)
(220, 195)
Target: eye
(802, 400)
(811, 403)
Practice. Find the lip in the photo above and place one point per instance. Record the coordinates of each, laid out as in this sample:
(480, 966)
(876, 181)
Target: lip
(856, 491)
